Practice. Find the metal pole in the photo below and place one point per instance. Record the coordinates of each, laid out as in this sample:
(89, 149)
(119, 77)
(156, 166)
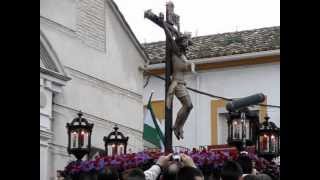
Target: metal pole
(243, 119)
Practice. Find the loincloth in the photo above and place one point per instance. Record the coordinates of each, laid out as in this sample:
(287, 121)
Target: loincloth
(181, 89)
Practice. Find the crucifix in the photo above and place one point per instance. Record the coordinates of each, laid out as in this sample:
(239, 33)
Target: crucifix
(176, 65)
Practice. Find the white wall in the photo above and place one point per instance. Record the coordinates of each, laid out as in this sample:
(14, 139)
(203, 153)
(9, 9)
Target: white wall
(118, 65)
(105, 85)
(227, 82)
(43, 162)
(62, 12)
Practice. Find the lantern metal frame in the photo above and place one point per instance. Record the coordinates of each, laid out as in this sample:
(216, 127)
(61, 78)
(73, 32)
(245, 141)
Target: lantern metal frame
(78, 126)
(268, 129)
(243, 116)
(115, 138)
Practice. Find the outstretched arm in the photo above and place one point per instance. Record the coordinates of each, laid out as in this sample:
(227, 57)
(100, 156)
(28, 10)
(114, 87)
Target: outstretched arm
(158, 20)
(169, 30)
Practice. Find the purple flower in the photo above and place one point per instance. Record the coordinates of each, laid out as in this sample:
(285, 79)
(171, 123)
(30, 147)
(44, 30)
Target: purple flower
(207, 160)
(100, 165)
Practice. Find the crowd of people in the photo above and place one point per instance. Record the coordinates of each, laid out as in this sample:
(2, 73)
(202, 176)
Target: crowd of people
(184, 168)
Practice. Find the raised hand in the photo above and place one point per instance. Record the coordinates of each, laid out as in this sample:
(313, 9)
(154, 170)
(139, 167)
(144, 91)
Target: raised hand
(148, 13)
(164, 161)
(187, 160)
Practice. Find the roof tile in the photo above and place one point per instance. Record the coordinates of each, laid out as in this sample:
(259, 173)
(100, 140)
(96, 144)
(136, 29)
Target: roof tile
(225, 44)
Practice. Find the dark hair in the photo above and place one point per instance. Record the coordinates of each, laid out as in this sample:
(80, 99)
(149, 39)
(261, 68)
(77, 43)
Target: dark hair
(231, 170)
(109, 174)
(245, 163)
(136, 174)
(169, 175)
(250, 177)
(215, 174)
(188, 173)
(181, 38)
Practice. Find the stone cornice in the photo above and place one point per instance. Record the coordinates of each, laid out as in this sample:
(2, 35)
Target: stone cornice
(104, 85)
(54, 74)
(45, 115)
(52, 69)
(50, 82)
(46, 135)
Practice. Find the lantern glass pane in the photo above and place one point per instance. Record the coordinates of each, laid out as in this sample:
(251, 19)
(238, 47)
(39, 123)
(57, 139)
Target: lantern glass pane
(74, 139)
(109, 149)
(83, 140)
(237, 130)
(121, 149)
(264, 143)
(274, 144)
(114, 149)
(247, 129)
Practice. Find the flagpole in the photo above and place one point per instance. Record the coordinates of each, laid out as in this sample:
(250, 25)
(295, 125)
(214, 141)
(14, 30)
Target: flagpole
(150, 97)
(162, 139)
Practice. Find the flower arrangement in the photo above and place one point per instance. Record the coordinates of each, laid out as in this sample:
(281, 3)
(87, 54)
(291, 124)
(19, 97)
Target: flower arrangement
(206, 160)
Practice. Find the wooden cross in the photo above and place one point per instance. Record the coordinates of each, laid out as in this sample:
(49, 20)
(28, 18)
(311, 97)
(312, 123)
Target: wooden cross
(172, 20)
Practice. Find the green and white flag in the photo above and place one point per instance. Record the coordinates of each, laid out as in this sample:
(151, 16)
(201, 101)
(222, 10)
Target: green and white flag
(151, 131)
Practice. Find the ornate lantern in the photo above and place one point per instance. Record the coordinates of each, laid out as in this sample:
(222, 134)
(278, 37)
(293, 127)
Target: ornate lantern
(79, 136)
(268, 140)
(243, 123)
(116, 142)
(242, 128)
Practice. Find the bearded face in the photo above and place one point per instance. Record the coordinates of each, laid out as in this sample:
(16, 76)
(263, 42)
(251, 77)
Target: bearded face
(183, 42)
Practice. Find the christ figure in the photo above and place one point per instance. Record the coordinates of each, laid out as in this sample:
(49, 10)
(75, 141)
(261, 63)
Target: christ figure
(180, 66)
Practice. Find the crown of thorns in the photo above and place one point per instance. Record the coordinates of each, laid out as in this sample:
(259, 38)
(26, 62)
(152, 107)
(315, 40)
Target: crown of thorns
(185, 36)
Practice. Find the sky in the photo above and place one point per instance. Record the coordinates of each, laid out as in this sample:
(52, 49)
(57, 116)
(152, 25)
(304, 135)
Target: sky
(201, 17)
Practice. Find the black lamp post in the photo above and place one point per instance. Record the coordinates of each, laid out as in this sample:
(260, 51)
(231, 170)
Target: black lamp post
(268, 140)
(117, 141)
(242, 128)
(79, 136)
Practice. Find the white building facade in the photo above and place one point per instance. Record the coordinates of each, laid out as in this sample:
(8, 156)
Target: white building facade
(89, 61)
(225, 67)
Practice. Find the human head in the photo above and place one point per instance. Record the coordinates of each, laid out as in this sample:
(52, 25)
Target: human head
(215, 174)
(59, 172)
(59, 175)
(245, 163)
(264, 177)
(184, 41)
(189, 173)
(170, 173)
(124, 174)
(250, 177)
(109, 173)
(231, 170)
(135, 174)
